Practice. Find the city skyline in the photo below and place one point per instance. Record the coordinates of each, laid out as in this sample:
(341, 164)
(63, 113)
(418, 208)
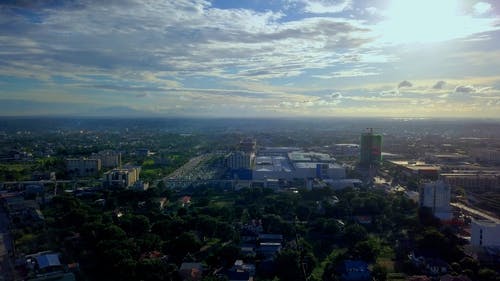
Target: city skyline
(280, 58)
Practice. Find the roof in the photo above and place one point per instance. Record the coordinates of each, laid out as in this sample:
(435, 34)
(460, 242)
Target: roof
(267, 236)
(309, 156)
(191, 265)
(355, 270)
(349, 264)
(238, 276)
(449, 277)
(272, 163)
(48, 260)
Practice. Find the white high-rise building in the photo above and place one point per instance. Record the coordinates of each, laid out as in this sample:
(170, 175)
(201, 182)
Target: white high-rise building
(436, 195)
(240, 160)
(485, 233)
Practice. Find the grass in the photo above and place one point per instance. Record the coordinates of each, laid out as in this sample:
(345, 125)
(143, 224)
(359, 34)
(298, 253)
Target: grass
(317, 273)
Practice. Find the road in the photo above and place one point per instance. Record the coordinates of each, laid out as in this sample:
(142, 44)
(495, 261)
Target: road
(475, 212)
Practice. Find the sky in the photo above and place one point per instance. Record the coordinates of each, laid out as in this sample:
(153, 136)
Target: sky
(251, 58)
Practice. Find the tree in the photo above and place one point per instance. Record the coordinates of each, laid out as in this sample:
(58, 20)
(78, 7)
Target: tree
(367, 250)
(379, 273)
(354, 233)
(486, 274)
(187, 242)
(288, 267)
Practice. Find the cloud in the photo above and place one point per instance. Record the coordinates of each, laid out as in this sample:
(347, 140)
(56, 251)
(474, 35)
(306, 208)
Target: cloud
(404, 84)
(348, 73)
(390, 93)
(471, 89)
(197, 39)
(481, 8)
(324, 6)
(335, 95)
(465, 89)
(439, 85)
(143, 95)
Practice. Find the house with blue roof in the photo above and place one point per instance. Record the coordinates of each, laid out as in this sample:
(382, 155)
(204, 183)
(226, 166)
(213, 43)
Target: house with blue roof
(352, 270)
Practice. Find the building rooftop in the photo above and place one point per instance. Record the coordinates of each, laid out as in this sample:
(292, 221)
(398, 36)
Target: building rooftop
(313, 165)
(272, 163)
(48, 260)
(309, 157)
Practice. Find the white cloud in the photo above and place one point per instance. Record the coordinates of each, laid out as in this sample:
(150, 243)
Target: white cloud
(321, 6)
(481, 8)
(348, 73)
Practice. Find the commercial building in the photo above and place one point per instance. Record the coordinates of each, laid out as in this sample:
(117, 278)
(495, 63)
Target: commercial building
(417, 168)
(309, 157)
(436, 195)
(473, 180)
(485, 233)
(109, 158)
(346, 150)
(488, 155)
(296, 165)
(277, 150)
(122, 178)
(370, 149)
(83, 167)
(272, 167)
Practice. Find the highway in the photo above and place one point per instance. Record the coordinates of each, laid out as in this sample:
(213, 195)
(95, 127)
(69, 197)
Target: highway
(475, 212)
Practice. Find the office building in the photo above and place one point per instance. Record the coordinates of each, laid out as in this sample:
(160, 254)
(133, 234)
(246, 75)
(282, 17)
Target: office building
(83, 167)
(370, 149)
(436, 195)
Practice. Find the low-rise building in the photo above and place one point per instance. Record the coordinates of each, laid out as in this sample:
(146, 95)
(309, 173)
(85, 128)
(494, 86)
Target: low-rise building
(473, 180)
(485, 233)
(83, 167)
(109, 158)
(346, 150)
(417, 169)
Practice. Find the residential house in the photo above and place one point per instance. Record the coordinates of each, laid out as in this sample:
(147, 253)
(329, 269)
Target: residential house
(191, 271)
(355, 271)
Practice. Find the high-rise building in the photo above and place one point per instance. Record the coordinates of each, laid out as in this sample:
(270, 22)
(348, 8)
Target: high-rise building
(436, 195)
(248, 145)
(240, 160)
(370, 148)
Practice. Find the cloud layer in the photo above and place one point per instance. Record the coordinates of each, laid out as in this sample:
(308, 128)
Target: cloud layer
(308, 57)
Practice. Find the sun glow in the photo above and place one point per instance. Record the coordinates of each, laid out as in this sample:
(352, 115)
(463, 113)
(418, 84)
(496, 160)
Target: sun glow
(425, 21)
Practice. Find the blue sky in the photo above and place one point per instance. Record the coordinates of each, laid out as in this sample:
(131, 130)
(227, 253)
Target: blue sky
(224, 58)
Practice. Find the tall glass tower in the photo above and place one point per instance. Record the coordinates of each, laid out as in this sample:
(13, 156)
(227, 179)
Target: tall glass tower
(370, 149)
